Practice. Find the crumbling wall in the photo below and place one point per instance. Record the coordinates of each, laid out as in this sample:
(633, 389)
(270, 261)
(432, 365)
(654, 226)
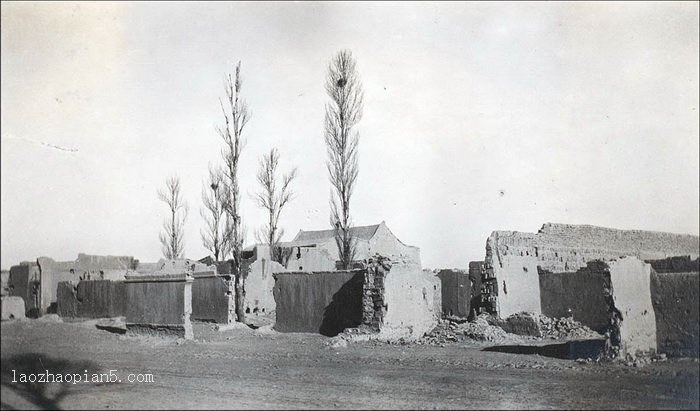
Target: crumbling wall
(676, 306)
(516, 277)
(611, 297)
(159, 304)
(24, 282)
(511, 255)
(477, 304)
(630, 281)
(580, 294)
(456, 291)
(322, 302)
(409, 306)
(91, 299)
(260, 282)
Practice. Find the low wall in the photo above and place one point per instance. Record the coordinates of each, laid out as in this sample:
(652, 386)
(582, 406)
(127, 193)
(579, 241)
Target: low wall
(455, 292)
(12, 308)
(210, 297)
(580, 295)
(321, 302)
(159, 304)
(91, 299)
(260, 281)
(676, 305)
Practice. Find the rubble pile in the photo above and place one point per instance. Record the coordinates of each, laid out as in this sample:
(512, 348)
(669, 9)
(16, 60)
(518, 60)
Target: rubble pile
(480, 329)
(557, 328)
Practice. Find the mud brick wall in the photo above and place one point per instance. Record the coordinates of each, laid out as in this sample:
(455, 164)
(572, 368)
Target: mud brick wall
(320, 302)
(210, 297)
(676, 304)
(456, 292)
(580, 295)
(91, 299)
(373, 307)
(159, 304)
(20, 284)
(409, 301)
(676, 264)
(511, 256)
(476, 273)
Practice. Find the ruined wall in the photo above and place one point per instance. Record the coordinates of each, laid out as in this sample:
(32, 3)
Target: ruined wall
(409, 300)
(476, 273)
(325, 302)
(676, 305)
(631, 292)
(91, 299)
(23, 282)
(455, 292)
(580, 295)
(517, 282)
(511, 255)
(159, 304)
(611, 296)
(260, 282)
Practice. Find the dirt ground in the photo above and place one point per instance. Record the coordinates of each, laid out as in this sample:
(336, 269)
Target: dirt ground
(245, 368)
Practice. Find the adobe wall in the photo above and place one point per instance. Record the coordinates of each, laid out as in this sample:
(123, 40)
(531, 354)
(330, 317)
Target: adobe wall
(311, 259)
(259, 284)
(612, 296)
(91, 299)
(21, 284)
(85, 267)
(12, 308)
(456, 288)
(676, 305)
(210, 297)
(511, 256)
(159, 304)
(579, 294)
(322, 302)
(385, 243)
(476, 272)
(409, 302)
(630, 281)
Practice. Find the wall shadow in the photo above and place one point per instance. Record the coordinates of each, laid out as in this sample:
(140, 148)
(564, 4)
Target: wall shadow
(42, 395)
(569, 350)
(345, 309)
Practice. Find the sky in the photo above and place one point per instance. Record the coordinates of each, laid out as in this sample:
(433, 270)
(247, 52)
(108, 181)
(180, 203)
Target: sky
(477, 117)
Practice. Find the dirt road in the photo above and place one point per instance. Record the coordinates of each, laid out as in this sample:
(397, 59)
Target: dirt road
(243, 368)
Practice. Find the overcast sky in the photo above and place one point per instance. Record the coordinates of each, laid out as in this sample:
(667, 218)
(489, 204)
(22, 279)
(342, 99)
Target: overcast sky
(478, 117)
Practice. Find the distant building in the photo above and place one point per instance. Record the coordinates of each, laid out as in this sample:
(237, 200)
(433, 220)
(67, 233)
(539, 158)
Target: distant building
(317, 250)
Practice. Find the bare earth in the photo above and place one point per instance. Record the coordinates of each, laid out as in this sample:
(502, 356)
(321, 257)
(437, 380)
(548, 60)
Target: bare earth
(242, 368)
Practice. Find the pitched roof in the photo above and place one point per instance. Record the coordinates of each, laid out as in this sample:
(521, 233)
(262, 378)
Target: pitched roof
(319, 236)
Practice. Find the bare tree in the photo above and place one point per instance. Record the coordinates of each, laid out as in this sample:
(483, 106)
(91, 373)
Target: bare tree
(236, 116)
(171, 238)
(343, 112)
(213, 235)
(273, 198)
